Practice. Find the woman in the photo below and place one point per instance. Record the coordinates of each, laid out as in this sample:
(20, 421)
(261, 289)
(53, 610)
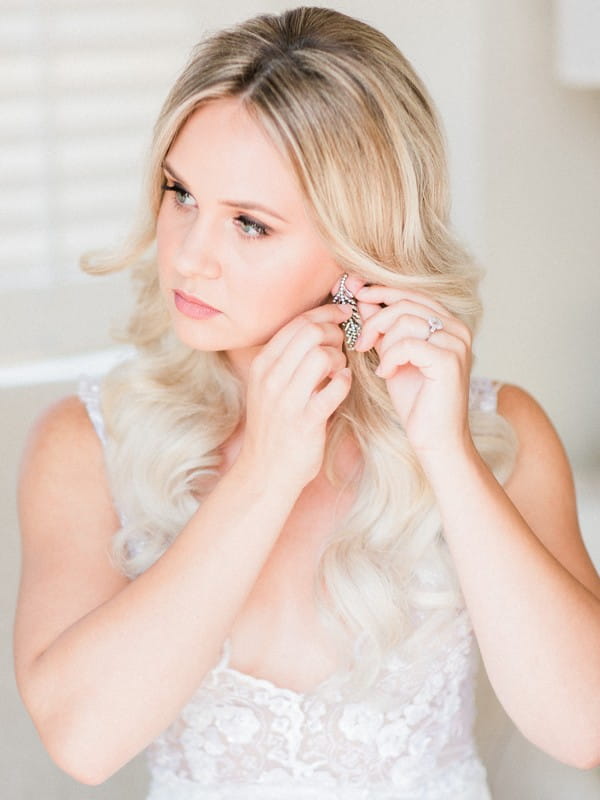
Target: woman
(305, 525)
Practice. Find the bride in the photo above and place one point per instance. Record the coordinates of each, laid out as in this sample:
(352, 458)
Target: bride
(264, 547)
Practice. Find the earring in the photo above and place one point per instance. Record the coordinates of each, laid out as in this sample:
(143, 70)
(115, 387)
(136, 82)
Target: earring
(352, 326)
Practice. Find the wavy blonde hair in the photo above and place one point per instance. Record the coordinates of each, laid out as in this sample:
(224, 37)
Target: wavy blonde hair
(361, 135)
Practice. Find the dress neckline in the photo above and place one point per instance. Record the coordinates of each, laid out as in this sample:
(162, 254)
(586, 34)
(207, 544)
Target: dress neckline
(464, 628)
(224, 666)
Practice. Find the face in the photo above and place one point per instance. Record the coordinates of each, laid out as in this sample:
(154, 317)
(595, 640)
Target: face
(233, 232)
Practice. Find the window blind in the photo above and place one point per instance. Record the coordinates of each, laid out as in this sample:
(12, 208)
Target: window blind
(81, 83)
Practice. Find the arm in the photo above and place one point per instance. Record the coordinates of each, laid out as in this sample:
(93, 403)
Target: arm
(91, 647)
(531, 591)
(530, 587)
(104, 664)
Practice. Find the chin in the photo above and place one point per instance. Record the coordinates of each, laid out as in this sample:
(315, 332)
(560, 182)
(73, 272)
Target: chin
(208, 342)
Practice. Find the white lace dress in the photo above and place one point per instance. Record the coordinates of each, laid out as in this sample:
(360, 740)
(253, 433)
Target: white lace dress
(244, 738)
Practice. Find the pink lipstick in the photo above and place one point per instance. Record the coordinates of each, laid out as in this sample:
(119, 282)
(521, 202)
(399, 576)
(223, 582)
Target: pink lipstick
(192, 306)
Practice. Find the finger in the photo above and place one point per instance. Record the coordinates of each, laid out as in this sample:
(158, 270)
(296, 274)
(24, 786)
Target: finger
(389, 295)
(329, 313)
(367, 310)
(324, 402)
(318, 364)
(440, 338)
(433, 360)
(386, 317)
(405, 326)
(310, 336)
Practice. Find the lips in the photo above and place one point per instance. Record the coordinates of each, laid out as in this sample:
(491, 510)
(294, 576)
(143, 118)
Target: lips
(195, 300)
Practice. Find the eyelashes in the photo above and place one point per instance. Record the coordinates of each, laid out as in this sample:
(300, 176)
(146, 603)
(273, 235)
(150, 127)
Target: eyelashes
(247, 222)
(177, 190)
(258, 230)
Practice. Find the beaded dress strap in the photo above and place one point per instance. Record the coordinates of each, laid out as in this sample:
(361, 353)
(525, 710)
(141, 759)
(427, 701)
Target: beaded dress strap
(89, 394)
(88, 391)
(483, 394)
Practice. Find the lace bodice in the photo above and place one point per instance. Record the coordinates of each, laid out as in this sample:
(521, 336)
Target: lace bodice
(242, 737)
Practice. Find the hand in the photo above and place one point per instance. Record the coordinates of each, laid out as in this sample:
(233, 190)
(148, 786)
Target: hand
(287, 404)
(427, 379)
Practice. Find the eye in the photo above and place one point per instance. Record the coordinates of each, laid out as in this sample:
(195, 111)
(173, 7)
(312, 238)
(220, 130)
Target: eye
(251, 229)
(180, 196)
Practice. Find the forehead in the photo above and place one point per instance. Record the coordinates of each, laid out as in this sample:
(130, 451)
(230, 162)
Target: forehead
(220, 145)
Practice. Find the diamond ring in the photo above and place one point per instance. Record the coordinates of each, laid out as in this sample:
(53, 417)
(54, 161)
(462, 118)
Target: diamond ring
(435, 324)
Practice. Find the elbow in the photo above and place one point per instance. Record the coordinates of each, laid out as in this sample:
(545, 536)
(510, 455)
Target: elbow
(59, 739)
(582, 759)
(583, 747)
(581, 752)
(568, 730)
(80, 754)
(88, 777)
(71, 736)
(72, 739)
(591, 763)
(587, 756)
(82, 759)
(84, 773)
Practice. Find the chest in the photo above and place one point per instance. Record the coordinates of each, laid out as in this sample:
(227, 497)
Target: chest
(277, 633)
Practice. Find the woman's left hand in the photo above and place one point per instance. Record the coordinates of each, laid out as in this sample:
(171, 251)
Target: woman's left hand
(427, 375)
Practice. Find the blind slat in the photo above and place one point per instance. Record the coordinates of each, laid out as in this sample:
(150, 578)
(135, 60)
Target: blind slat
(80, 87)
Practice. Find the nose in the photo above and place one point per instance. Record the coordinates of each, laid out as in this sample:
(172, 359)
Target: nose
(197, 254)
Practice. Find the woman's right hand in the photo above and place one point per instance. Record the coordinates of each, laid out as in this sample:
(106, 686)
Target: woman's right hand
(287, 411)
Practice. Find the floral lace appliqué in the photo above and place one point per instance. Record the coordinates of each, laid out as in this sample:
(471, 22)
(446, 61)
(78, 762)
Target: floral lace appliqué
(410, 737)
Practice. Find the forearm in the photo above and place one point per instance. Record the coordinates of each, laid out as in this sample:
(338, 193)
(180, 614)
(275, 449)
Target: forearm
(537, 626)
(117, 677)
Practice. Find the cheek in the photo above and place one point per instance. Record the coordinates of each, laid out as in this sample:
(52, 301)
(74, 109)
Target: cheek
(161, 223)
(264, 304)
(282, 297)
(164, 243)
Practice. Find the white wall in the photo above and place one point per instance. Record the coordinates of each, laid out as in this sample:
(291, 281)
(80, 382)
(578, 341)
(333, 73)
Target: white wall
(542, 231)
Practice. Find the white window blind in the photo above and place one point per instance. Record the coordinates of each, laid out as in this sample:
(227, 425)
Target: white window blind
(81, 83)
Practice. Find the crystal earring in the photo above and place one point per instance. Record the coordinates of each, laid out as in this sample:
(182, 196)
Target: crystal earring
(353, 325)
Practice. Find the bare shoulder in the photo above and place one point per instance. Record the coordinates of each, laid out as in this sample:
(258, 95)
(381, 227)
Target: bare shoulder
(520, 407)
(62, 451)
(61, 426)
(541, 456)
(541, 484)
(63, 465)
(66, 521)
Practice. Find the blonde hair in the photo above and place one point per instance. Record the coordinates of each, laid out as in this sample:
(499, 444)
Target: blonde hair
(361, 135)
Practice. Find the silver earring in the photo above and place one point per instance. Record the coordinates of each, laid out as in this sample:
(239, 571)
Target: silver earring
(352, 326)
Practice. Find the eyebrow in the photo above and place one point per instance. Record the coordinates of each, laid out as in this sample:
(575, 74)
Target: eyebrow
(246, 204)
